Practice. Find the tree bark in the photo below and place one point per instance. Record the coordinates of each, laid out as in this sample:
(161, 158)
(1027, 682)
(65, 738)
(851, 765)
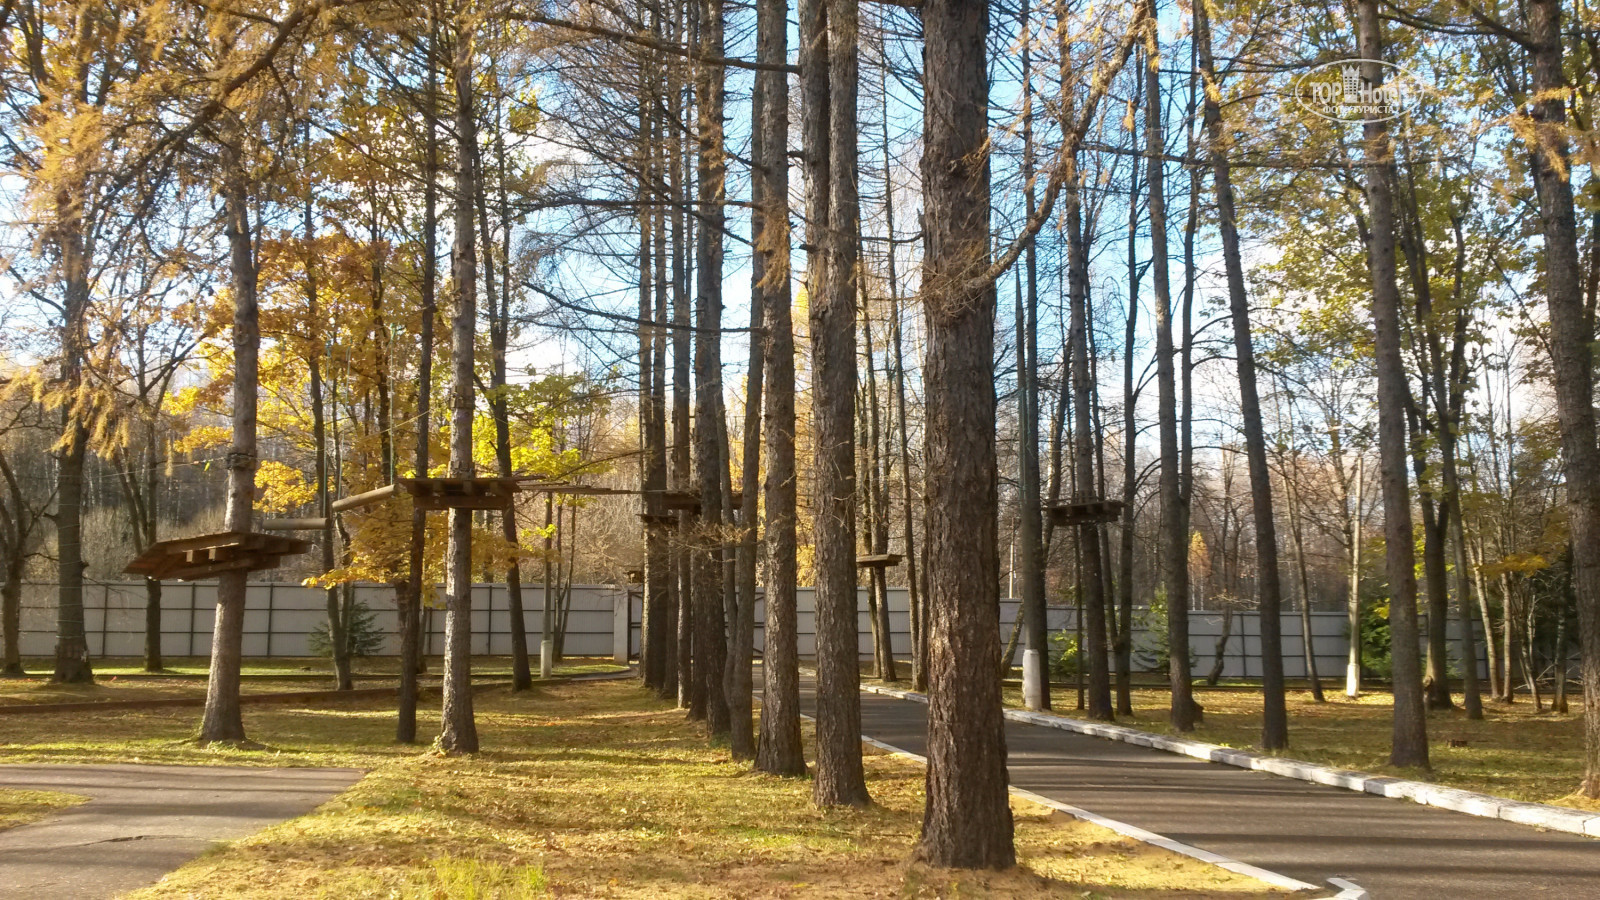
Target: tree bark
(1410, 737)
(222, 719)
(710, 636)
(72, 643)
(1030, 525)
(459, 730)
(828, 128)
(967, 819)
(411, 604)
(1274, 719)
(1173, 543)
(1571, 356)
(779, 750)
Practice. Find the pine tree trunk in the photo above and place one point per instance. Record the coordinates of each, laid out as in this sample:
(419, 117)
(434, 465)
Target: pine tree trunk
(967, 820)
(778, 751)
(1173, 544)
(710, 636)
(459, 730)
(1410, 738)
(1274, 720)
(222, 719)
(828, 128)
(72, 643)
(411, 604)
(1571, 356)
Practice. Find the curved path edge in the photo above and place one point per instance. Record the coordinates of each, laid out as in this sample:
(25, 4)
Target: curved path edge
(1488, 806)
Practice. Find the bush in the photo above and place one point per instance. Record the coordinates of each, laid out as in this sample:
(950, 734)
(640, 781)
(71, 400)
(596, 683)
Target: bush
(362, 636)
(1064, 659)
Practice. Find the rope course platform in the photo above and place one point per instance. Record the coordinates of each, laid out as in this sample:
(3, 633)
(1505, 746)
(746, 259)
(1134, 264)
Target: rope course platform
(878, 561)
(1084, 512)
(185, 559)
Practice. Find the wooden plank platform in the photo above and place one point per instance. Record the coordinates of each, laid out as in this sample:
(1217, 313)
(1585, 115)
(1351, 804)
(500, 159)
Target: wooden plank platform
(1085, 512)
(663, 520)
(201, 556)
(878, 561)
(461, 493)
(294, 524)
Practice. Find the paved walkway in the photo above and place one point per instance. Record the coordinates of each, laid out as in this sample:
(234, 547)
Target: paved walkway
(1395, 849)
(144, 821)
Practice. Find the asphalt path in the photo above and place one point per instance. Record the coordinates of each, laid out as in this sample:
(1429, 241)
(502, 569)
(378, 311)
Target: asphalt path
(1395, 849)
(144, 821)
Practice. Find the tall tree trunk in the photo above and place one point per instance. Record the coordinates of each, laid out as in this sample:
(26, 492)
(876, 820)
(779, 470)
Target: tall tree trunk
(1410, 739)
(72, 643)
(690, 695)
(459, 730)
(710, 637)
(222, 719)
(742, 740)
(411, 603)
(1571, 356)
(877, 518)
(1274, 719)
(659, 616)
(1173, 543)
(967, 820)
(1352, 671)
(339, 644)
(1091, 580)
(1030, 527)
(778, 751)
(828, 128)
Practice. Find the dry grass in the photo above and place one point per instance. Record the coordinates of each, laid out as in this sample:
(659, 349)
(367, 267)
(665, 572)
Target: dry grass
(588, 790)
(126, 679)
(22, 807)
(1513, 752)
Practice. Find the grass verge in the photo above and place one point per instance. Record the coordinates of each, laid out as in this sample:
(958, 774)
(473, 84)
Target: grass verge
(1512, 752)
(21, 807)
(588, 790)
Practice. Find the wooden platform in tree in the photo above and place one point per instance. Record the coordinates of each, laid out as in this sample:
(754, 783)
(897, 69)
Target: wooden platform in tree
(201, 556)
(663, 520)
(878, 561)
(294, 524)
(674, 501)
(461, 493)
(1085, 512)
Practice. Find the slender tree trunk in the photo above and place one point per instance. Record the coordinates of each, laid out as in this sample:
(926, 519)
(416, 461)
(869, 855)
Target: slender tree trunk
(1274, 719)
(459, 730)
(1410, 747)
(1173, 543)
(1030, 527)
(877, 518)
(411, 603)
(11, 617)
(743, 627)
(691, 697)
(967, 820)
(1352, 670)
(778, 751)
(222, 719)
(1571, 356)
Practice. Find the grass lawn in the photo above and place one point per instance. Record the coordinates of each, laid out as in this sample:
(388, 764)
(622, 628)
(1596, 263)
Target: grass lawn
(186, 677)
(1513, 752)
(22, 807)
(585, 790)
